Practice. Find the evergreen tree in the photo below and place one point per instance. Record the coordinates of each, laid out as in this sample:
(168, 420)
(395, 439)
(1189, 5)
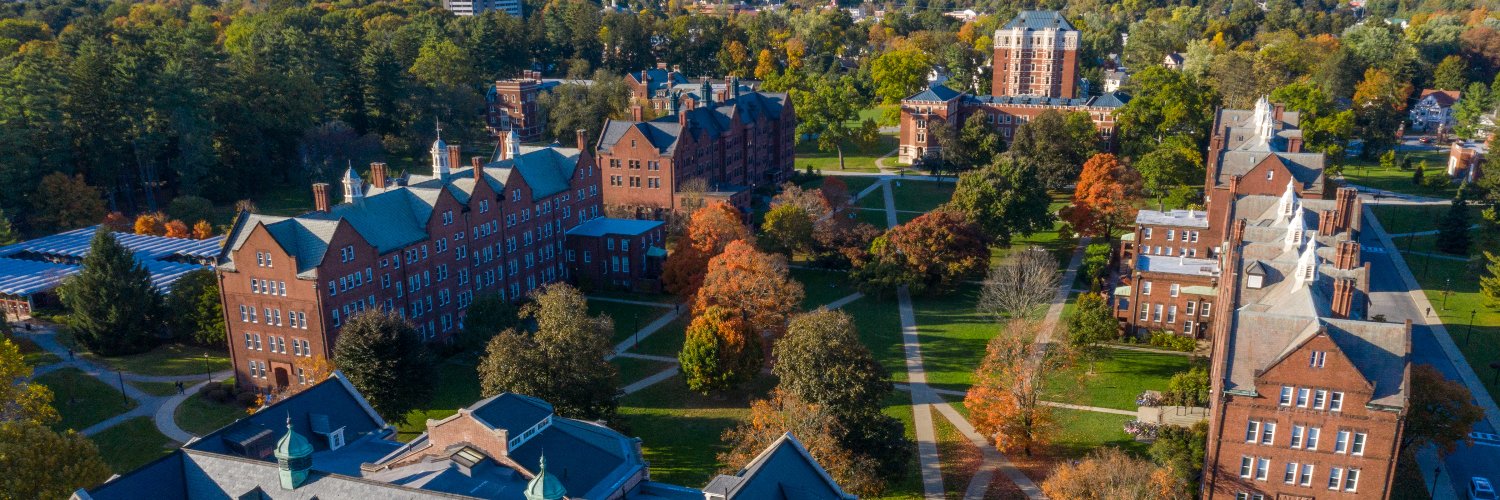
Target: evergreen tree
(112, 307)
(1418, 174)
(1489, 283)
(1453, 228)
(383, 357)
(194, 307)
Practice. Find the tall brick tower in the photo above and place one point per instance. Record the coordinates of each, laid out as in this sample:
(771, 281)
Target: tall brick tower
(1036, 54)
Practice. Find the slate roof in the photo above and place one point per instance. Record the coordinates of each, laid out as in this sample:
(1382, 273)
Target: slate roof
(1107, 100)
(604, 226)
(659, 78)
(663, 132)
(936, 93)
(784, 471)
(1040, 20)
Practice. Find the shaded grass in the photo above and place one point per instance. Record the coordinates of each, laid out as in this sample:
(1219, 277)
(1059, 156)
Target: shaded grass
(1409, 484)
(33, 355)
(633, 369)
(873, 217)
(667, 341)
(1397, 219)
(456, 385)
(82, 400)
(132, 444)
(953, 336)
(681, 430)
(1119, 376)
(879, 325)
(627, 317)
(909, 484)
(856, 159)
(921, 196)
(156, 388)
(822, 287)
(1436, 276)
(168, 359)
(1084, 431)
(958, 458)
(1369, 173)
(200, 415)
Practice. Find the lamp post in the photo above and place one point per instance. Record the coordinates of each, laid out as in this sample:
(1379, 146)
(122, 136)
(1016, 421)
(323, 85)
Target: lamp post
(1436, 472)
(1470, 332)
(206, 374)
(123, 398)
(1447, 289)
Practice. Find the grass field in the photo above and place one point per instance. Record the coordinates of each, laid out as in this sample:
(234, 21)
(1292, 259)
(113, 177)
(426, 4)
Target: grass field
(953, 336)
(1435, 276)
(169, 359)
(633, 369)
(821, 287)
(1369, 173)
(879, 326)
(627, 317)
(456, 386)
(32, 354)
(156, 388)
(82, 400)
(200, 415)
(132, 444)
(1397, 219)
(855, 158)
(680, 430)
(1118, 377)
(920, 196)
(909, 485)
(1085, 431)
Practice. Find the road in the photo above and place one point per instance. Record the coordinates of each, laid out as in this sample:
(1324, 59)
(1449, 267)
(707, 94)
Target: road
(1389, 296)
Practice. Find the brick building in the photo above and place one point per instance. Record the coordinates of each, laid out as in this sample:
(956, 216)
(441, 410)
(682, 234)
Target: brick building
(617, 253)
(510, 105)
(1035, 70)
(423, 246)
(1036, 54)
(654, 85)
(732, 146)
(1170, 277)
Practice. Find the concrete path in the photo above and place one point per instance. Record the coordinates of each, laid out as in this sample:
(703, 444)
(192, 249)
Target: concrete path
(1060, 300)
(845, 300)
(1147, 349)
(628, 301)
(1383, 197)
(166, 414)
(647, 357)
(1425, 233)
(1454, 258)
(1095, 409)
(646, 331)
(880, 162)
(638, 385)
(922, 397)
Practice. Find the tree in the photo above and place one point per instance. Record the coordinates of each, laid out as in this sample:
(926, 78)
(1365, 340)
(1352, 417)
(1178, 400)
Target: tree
(148, 224)
(1057, 144)
(562, 361)
(1164, 103)
(112, 307)
(1020, 285)
(1110, 473)
(1175, 162)
(719, 353)
(899, 73)
(784, 413)
(710, 230)
(1453, 228)
(765, 65)
(202, 230)
(63, 202)
(486, 317)
(21, 400)
(175, 229)
(754, 284)
(1004, 199)
(383, 357)
(931, 253)
(1005, 401)
(195, 309)
(789, 228)
(41, 463)
(1388, 160)
(7, 231)
(1181, 450)
(1189, 388)
(1418, 175)
(1441, 412)
(1489, 283)
(1449, 74)
(1469, 112)
(1092, 322)
(1104, 198)
(825, 111)
(980, 143)
(1379, 108)
(576, 106)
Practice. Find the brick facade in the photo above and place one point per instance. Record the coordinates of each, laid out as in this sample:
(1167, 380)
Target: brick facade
(1036, 54)
(511, 105)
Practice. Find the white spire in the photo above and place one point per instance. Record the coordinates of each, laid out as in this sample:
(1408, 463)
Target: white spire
(1288, 202)
(512, 145)
(354, 187)
(1296, 229)
(440, 164)
(1307, 264)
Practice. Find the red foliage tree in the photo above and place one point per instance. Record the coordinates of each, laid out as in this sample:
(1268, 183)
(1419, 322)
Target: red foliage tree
(710, 230)
(752, 284)
(935, 251)
(176, 229)
(1104, 198)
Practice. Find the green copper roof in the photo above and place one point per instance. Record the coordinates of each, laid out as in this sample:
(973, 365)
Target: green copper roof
(545, 486)
(292, 445)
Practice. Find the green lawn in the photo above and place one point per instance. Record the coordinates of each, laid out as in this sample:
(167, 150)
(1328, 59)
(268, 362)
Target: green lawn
(633, 369)
(628, 317)
(156, 388)
(909, 485)
(456, 386)
(32, 354)
(1118, 378)
(1369, 173)
(667, 341)
(879, 325)
(680, 430)
(873, 217)
(921, 196)
(200, 415)
(169, 359)
(876, 199)
(822, 287)
(1084, 431)
(82, 400)
(953, 336)
(1435, 276)
(1397, 219)
(855, 158)
(132, 444)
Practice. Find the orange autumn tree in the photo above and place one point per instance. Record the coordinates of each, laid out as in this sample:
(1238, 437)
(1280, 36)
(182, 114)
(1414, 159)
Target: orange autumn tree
(719, 353)
(148, 224)
(203, 230)
(931, 253)
(1005, 401)
(709, 231)
(1104, 198)
(1110, 473)
(748, 282)
(814, 427)
(176, 229)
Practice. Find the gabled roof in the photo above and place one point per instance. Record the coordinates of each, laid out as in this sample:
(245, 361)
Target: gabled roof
(608, 226)
(1039, 20)
(936, 93)
(664, 132)
(1443, 98)
(784, 471)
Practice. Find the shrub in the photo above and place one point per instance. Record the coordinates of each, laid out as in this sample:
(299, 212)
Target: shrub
(1189, 388)
(1095, 261)
(1144, 431)
(216, 394)
(246, 399)
(1168, 340)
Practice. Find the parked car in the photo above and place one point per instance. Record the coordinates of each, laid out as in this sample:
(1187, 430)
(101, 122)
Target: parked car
(1425, 140)
(1480, 489)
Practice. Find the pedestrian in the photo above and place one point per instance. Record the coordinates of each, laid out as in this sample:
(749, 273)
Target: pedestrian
(70, 354)
(1429, 311)
(180, 388)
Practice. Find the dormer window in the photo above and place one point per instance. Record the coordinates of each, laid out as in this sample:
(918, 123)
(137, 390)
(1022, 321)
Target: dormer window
(1317, 358)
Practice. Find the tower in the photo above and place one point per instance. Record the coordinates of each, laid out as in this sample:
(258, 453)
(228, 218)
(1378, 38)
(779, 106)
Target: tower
(1036, 54)
(293, 458)
(440, 164)
(707, 93)
(545, 486)
(512, 145)
(354, 187)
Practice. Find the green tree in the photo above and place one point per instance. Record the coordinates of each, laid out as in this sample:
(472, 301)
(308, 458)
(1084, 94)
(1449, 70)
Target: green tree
(7, 231)
(720, 353)
(981, 144)
(20, 399)
(1469, 111)
(1173, 163)
(825, 111)
(899, 73)
(486, 317)
(1057, 143)
(1417, 176)
(822, 361)
(1388, 160)
(789, 228)
(1004, 199)
(195, 309)
(1164, 103)
(383, 357)
(562, 361)
(41, 463)
(1453, 227)
(112, 308)
(1489, 283)
(575, 106)
(1092, 322)
(63, 202)
(1181, 450)
(1449, 74)
(1189, 388)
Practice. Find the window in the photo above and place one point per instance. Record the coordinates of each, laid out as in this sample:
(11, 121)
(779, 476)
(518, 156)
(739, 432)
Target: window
(1145, 288)
(1290, 476)
(1190, 307)
(1175, 289)
(1312, 437)
(1357, 446)
(1297, 431)
(1172, 314)
(1351, 480)
(1268, 433)
(1171, 234)
(1306, 477)
(1336, 401)
(1156, 313)
(1252, 429)
(1302, 395)
(1286, 395)
(1245, 466)
(1145, 312)
(1262, 468)
(1341, 442)
(1316, 359)
(1205, 309)
(1319, 398)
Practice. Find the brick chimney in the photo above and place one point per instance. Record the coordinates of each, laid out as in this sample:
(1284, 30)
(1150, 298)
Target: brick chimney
(478, 162)
(1343, 297)
(1346, 255)
(454, 156)
(1346, 204)
(377, 175)
(1294, 144)
(635, 113)
(1327, 224)
(320, 197)
(581, 135)
(1278, 110)
(661, 65)
(1239, 232)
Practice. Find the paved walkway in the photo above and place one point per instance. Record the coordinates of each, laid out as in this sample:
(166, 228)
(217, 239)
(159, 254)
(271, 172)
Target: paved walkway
(1147, 349)
(1382, 197)
(1054, 404)
(636, 302)
(1425, 233)
(646, 331)
(647, 357)
(1454, 258)
(1060, 300)
(638, 385)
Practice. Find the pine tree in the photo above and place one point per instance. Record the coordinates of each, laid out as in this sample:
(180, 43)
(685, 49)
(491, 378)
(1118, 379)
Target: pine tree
(1453, 229)
(1489, 284)
(1418, 174)
(7, 232)
(112, 307)
(384, 358)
